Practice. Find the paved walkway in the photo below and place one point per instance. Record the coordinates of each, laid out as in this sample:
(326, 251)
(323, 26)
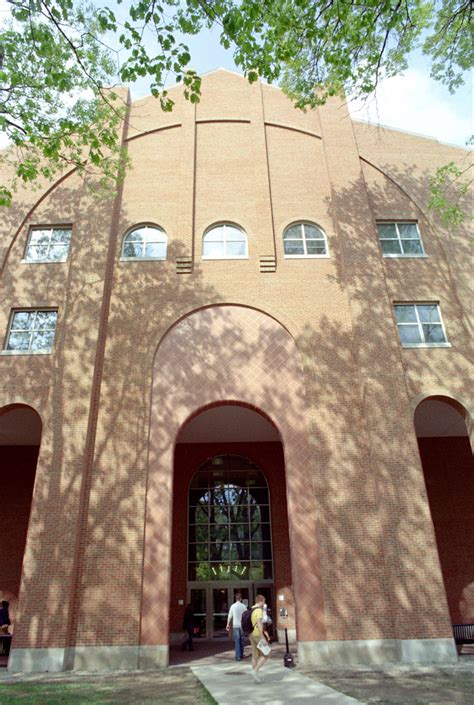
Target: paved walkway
(231, 683)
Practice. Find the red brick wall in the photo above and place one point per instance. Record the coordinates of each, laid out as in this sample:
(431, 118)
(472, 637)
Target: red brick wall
(449, 474)
(18, 465)
(188, 458)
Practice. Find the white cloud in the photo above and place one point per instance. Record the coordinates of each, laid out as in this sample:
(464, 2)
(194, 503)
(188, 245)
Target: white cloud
(416, 103)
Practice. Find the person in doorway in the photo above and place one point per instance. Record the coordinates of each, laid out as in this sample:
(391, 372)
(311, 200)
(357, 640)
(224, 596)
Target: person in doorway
(235, 616)
(188, 628)
(4, 617)
(258, 632)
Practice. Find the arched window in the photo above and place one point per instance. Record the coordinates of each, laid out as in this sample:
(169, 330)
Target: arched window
(229, 522)
(305, 240)
(145, 242)
(224, 241)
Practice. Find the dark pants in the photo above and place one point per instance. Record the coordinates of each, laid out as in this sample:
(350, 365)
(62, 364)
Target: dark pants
(189, 641)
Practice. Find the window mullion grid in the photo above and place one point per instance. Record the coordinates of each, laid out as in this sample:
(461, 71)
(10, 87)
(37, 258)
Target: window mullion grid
(50, 239)
(303, 233)
(420, 327)
(33, 330)
(397, 230)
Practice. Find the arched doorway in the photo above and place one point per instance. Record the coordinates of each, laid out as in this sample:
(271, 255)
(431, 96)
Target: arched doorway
(20, 437)
(227, 355)
(231, 487)
(442, 426)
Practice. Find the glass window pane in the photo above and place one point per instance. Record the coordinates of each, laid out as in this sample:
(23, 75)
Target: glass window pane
(405, 314)
(155, 235)
(213, 249)
(218, 514)
(18, 341)
(312, 232)
(408, 230)
(428, 313)
(155, 249)
(218, 532)
(42, 340)
(387, 230)
(46, 319)
(133, 249)
(412, 247)
(257, 551)
(236, 495)
(215, 235)
(292, 247)
(391, 247)
(256, 571)
(293, 233)
(23, 320)
(199, 571)
(240, 551)
(199, 515)
(433, 333)
(236, 249)
(61, 236)
(201, 551)
(198, 533)
(267, 570)
(40, 237)
(235, 234)
(239, 532)
(316, 247)
(58, 252)
(135, 236)
(37, 252)
(409, 334)
(267, 550)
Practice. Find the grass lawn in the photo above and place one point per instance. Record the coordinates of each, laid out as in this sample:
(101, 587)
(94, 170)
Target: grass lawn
(403, 685)
(174, 687)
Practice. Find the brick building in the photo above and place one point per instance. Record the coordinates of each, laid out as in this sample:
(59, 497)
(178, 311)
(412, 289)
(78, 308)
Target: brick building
(247, 370)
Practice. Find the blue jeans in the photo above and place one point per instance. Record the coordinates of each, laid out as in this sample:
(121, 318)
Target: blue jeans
(239, 643)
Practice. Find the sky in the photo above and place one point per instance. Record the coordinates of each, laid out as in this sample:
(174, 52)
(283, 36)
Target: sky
(412, 101)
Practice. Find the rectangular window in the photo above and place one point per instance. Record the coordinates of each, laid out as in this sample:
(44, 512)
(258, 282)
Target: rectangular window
(400, 240)
(31, 331)
(420, 325)
(48, 244)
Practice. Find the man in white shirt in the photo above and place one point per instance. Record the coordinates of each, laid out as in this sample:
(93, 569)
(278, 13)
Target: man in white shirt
(235, 615)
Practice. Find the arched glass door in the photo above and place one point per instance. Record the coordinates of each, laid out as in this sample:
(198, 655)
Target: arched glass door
(229, 538)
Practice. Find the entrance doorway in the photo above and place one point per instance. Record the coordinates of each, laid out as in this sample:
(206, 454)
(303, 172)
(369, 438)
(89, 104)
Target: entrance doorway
(211, 605)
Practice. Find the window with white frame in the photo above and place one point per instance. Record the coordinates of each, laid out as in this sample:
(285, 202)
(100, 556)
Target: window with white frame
(48, 244)
(420, 324)
(224, 241)
(145, 242)
(400, 240)
(304, 240)
(31, 331)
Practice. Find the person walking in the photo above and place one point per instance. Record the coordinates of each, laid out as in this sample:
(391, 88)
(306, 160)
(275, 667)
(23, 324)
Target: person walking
(188, 628)
(258, 636)
(235, 616)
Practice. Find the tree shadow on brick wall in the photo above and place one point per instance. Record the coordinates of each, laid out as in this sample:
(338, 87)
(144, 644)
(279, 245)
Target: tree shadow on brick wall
(374, 517)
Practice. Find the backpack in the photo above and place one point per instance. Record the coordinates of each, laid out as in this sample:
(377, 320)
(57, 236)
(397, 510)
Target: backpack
(247, 626)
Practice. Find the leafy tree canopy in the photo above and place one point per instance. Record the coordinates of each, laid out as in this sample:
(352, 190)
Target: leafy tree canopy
(57, 58)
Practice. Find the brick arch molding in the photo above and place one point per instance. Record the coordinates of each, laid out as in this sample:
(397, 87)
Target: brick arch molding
(213, 355)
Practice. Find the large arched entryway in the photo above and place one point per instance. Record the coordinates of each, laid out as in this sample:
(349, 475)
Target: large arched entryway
(238, 356)
(20, 437)
(442, 428)
(230, 485)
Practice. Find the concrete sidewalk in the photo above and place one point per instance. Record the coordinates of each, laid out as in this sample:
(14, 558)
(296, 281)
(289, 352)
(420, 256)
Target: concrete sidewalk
(232, 684)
